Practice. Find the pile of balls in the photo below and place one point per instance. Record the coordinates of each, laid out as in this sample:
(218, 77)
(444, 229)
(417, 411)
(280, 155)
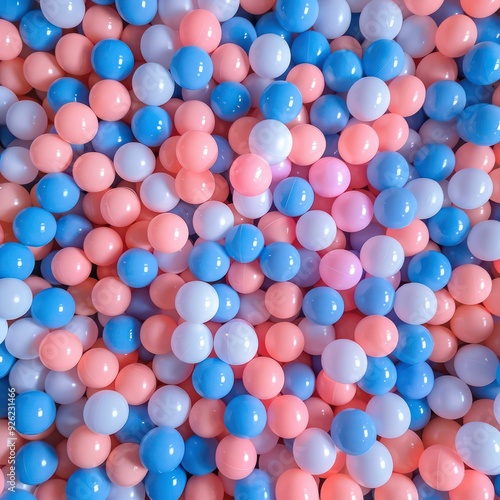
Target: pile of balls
(249, 249)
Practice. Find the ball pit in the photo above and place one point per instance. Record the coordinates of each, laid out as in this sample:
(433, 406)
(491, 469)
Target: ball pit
(249, 249)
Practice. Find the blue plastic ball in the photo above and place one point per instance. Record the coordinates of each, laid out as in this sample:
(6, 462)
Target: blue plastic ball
(380, 376)
(111, 136)
(122, 334)
(37, 32)
(414, 381)
(475, 94)
(237, 390)
(212, 378)
(225, 155)
(199, 456)
(36, 462)
(415, 344)
(46, 268)
(138, 424)
(92, 484)
(293, 196)
(459, 255)
(341, 69)
(434, 161)
(17, 494)
(229, 303)
(430, 268)
(14, 10)
(245, 416)
(269, 24)
(395, 207)
(35, 412)
(137, 267)
(481, 64)
(191, 68)
(66, 89)
(112, 59)
(239, 31)
(299, 380)
(16, 261)
(384, 59)
(72, 230)
(244, 243)
(137, 12)
(388, 169)
(34, 227)
(280, 261)
(310, 47)
(169, 484)
(374, 296)
(57, 192)
(151, 125)
(444, 100)
(258, 485)
(479, 124)
(297, 15)
(449, 227)
(6, 360)
(329, 113)
(323, 305)
(353, 431)
(420, 413)
(308, 273)
(161, 449)
(488, 29)
(209, 261)
(230, 101)
(53, 307)
(281, 101)
(427, 492)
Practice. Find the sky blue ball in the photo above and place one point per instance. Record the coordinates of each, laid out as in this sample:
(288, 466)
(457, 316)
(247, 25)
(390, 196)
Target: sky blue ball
(35, 412)
(191, 67)
(245, 416)
(257, 484)
(137, 267)
(199, 456)
(395, 207)
(137, 12)
(209, 261)
(212, 378)
(428, 492)
(415, 344)
(293, 196)
(430, 268)
(151, 125)
(13, 10)
(46, 268)
(92, 483)
(450, 226)
(374, 296)
(341, 69)
(481, 64)
(323, 305)
(36, 462)
(169, 484)
(299, 380)
(444, 100)
(225, 155)
(384, 59)
(434, 161)
(297, 15)
(280, 261)
(414, 381)
(34, 226)
(53, 307)
(122, 334)
(138, 424)
(112, 59)
(161, 449)
(230, 101)
(229, 303)
(479, 124)
(72, 230)
(16, 261)
(280, 101)
(244, 242)
(37, 32)
(488, 29)
(268, 23)
(380, 376)
(6, 360)
(387, 169)
(310, 47)
(66, 89)
(475, 94)
(111, 136)
(353, 431)
(329, 113)
(57, 192)
(420, 413)
(239, 31)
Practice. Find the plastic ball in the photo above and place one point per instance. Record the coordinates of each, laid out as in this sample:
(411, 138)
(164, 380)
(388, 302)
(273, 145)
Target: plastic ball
(16, 165)
(310, 47)
(323, 305)
(329, 113)
(37, 32)
(235, 457)
(239, 31)
(112, 59)
(449, 227)
(329, 176)
(245, 416)
(358, 143)
(480, 63)
(92, 479)
(344, 361)
(482, 240)
(250, 175)
(151, 125)
(271, 140)
(137, 268)
(293, 196)
(382, 256)
(395, 207)
(53, 308)
(430, 268)
(37, 462)
(212, 378)
(390, 413)
(191, 67)
(450, 397)
(16, 261)
(380, 376)
(171, 483)
(375, 26)
(244, 243)
(388, 169)
(415, 303)
(161, 449)
(169, 405)
(258, 483)
(269, 55)
(105, 412)
(353, 431)
(374, 296)
(279, 261)
(484, 132)
(414, 381)
(476, 365)
(431, 465)
(341, 70)
(208, 261)
(121, 334)
(199, 455)
(230, 101)
(197, 302)
(253, 207)
(280, 101)
(35, 412)
(235, 342)
(34, 226)
(368, 98)
(415, 344)
(192, 342)
(470, 188)
(299, 380)
(316, 230)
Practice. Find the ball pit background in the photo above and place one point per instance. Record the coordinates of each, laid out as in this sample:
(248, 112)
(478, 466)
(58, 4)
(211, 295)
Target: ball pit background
(250, 249)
